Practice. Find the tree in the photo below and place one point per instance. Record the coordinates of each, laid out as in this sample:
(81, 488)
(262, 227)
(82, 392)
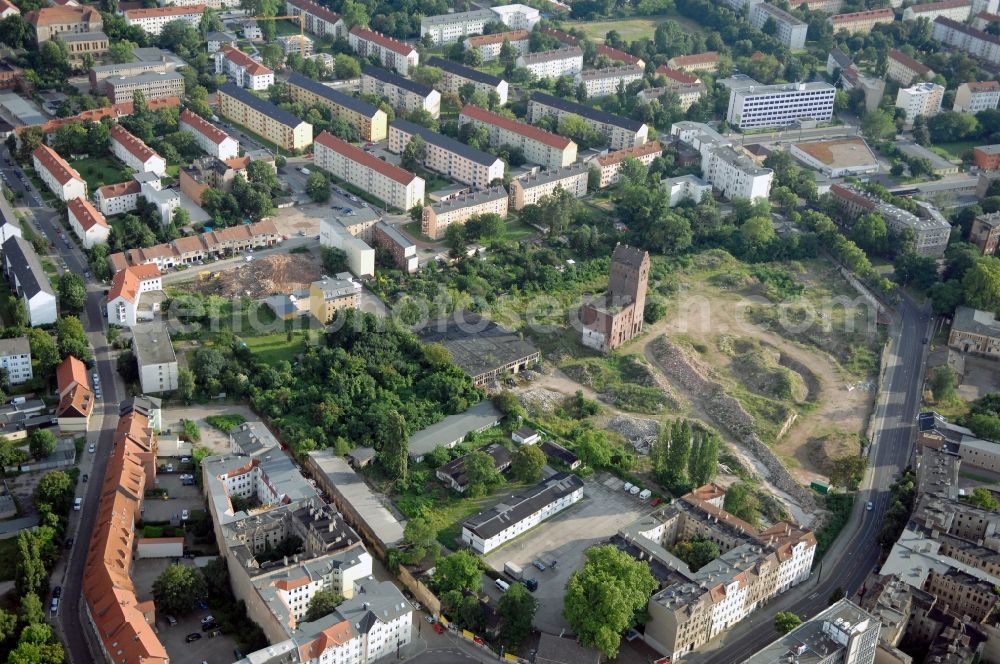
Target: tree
(473, 57)
(393, 451)
(943, 383)
(121, 51)
(8, 625)
(30, 575)
(42, 443)
(178, 589)
(603, 597)
(527, 463)
(848, 471)
(593, 448)
(870, 233)
(982, 284)
(72, 338)
(354, 13)
(785, 621)
(317, 187)
(45, 350)
(742, 501)
(517, 609)
(345, 66)
(456, 238)
(877, 125)
(983, 497)
(323, 603)
(459, 571)
(72, 293)
(31, 611)
(414, 154)
(481, 473)
(696, 552)
(55, 489)
(334, 259)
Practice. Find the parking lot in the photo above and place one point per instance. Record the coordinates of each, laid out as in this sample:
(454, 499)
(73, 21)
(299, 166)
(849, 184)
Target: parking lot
(180, 498)
(214, 650)
(605, 508)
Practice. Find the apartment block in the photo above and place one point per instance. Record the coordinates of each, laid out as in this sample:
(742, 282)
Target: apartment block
(117, 198)
(486, 531)
(447, 156)
(454, 76)
(977, 96)
(620, 132)
(264, 118)
(985, 232)
(79, 44)
(100, 73)
(391, 53)
(686, 188)
(124, 307)
(957, 10)
(404, 252)
(825, 6)
(370, 122)
(329, 295)
(694, 607)
(611, 163)
(920, 99)
(301, 45)
(707, 61)
(360, 257)
(986, 157)
(791, 30)
(489, 45)
(51, 22)
(243, 70)
(134, 152)
(754, 106)
(438, 216)
(61, 178)
(931, 231)
(976, 43)
(604, 82)
(403, 94)
(553, 64)
(154, 353)
(397, 187)
(154, 85)
(320, 21)
(733, 174)
(842, 633)
(861, 21)
(539, 146)
(88, 224)
(15, 357)
(529, 189)
(450, 28)
(687, 95)
(152, 20)
(517, 17)
(904, 70)
(209, 138)
(28, 281)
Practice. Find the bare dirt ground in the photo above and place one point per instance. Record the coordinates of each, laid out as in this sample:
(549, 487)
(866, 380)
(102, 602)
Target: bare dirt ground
(304, 218)
(269, 275)
(211, 437)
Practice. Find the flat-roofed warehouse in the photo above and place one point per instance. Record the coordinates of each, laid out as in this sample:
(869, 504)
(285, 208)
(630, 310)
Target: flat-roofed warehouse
(481, 348)
(838, 157)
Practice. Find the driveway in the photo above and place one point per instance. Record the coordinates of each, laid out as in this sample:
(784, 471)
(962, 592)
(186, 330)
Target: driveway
(605, 508)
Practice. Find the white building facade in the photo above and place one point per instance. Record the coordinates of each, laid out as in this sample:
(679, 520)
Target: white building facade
(87, 222)
(134, 153)
(61, 178)
(243, 70)
(553, 64)
(753, 106)
(15, 358)
(153, 20)
(391, 53)
(209, 138)
(396, 186)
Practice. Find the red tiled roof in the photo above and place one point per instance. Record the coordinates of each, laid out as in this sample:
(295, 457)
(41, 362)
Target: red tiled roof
(316, 10)
(870, 15)
(120, 189)
(382, 40)
(126, 282)
(982, 86)
(937, 6)
(98, 114)
(986, 16)
(241, 59)
(132, 143)
(564, 37)
(62, 15)
(86, 214)
(56, 165)
(526, 130)
(203, 127)
(909, 62)
(238, 163)
(356, 154)
(497, 38)
(615, 54)
(636, 152)
(163, 11)
(677, 75)
(331, 637)
(69, 373)
(5, 5)
(695, 59)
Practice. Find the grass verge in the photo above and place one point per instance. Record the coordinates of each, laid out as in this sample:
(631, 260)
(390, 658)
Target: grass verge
(840, 505)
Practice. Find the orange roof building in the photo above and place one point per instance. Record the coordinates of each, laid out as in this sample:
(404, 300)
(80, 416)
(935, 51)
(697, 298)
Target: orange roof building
(135, 153)
(127, 287)
(708, 61)
(62, 179)
(539, 146)
(87, 222)
(391, 53)
(611, 163)
(76, 400)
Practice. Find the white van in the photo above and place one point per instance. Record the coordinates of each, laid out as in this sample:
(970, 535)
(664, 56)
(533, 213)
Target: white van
(503, 585)
(77, 504)
(645, 494)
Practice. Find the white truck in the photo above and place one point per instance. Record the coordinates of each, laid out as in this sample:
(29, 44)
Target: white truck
(304, 171)
(513, 570)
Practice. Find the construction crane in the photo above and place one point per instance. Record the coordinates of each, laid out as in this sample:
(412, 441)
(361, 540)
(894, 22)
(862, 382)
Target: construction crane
(301, 18)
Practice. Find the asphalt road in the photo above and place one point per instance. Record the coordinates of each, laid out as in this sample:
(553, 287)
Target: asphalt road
(856, 552)
(102, 424)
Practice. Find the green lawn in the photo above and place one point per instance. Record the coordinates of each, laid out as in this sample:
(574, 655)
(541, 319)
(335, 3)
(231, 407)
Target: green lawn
(519, 231)
(99, 171)
(286, 28)
(954, 150)
(433, 181)
(630, 29)
(413, 228)
(274, 348)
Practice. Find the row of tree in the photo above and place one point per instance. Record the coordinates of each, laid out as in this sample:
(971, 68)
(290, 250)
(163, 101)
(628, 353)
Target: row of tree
(684, 455)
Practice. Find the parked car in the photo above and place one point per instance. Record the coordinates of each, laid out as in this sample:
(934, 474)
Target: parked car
(539, 565)
(86, 477)
(438, 628)
(628, 487)
(92, 448)
(869, 506)
(57, 591)
(69, 542)
(171, 621)
(192, 637)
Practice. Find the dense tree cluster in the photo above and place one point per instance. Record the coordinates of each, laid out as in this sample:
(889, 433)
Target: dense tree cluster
(685, 456)
(901, 496)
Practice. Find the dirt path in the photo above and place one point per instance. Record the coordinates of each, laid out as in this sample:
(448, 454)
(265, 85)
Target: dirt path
(704, 314)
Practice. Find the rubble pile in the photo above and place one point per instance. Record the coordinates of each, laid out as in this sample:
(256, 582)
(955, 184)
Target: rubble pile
(639, 432)
(540, 400)
(270, 275)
